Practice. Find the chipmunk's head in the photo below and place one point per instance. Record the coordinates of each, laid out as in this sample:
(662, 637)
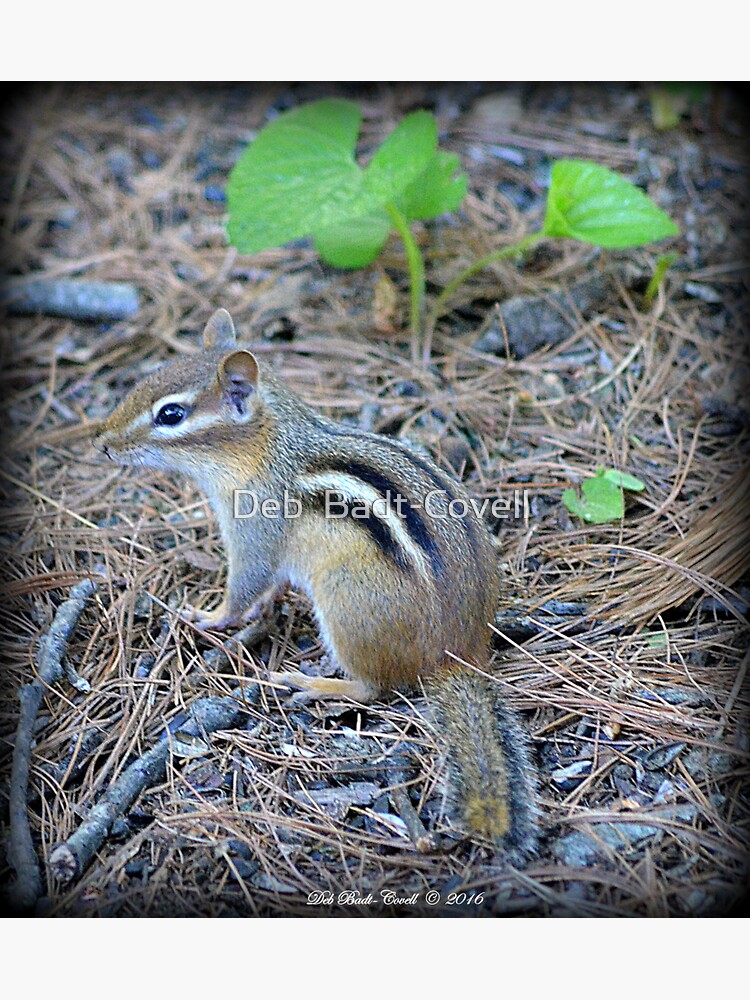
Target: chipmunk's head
(196, 415)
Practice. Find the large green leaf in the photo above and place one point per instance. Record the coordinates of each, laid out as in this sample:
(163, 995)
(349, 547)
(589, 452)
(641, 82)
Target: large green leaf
(298, 174)
(590, 203)
(439, 188)
(354, 243)
(406, 171)
(299, 178)
(403, 156)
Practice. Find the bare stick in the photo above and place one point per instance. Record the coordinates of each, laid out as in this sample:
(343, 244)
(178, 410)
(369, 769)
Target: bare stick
(24, 891)
(423, 839)
(520, 624)
(69, 859)
(87, 300)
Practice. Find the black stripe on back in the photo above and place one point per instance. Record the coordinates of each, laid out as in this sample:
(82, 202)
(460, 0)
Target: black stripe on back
(415, 525)
(377, 529)
(439, 479)
(443, 482)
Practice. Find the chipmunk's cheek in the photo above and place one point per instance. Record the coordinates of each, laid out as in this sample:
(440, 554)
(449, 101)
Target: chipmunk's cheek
(151, 459)
(122, 456)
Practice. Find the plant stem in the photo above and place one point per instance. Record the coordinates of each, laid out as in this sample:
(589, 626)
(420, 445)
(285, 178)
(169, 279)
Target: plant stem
(416, 277)
(479, 265)
(662, 266)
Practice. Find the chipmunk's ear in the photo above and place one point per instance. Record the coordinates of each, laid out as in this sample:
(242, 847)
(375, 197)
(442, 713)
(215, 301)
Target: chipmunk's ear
(219, 331)
(238, 379)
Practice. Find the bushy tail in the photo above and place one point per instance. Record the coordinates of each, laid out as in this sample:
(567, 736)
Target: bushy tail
(491, 774)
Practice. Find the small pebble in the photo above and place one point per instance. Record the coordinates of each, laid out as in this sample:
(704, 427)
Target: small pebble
(703, 292)
(568, 778)
(212, 192)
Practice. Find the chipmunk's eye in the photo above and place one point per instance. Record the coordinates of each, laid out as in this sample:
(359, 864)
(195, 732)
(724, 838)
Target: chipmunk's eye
(170, 414)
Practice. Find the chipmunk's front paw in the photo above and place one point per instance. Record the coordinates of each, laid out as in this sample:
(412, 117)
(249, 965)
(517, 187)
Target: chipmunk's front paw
(209, 621)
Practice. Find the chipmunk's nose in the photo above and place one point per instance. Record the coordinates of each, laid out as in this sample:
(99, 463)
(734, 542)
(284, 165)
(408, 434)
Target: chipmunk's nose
(100, 444)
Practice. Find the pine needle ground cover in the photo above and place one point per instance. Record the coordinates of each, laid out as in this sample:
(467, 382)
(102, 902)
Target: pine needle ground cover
(623, 644)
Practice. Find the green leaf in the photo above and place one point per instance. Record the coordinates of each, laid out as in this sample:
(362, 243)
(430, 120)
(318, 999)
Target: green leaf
(624, 480)
(300, 178)
(298, 174)
(602, 497)
(590, 203)
(403, 156)
(602, 501)
(572, 502)
(667, 108)
(355, 243)
(670, 101)
(440, 188)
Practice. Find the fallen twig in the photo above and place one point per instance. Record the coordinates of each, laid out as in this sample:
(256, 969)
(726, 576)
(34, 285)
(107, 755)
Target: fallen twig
(70, 858)
(521, 624)
(87, 300)
(423, 839)
(24, 891)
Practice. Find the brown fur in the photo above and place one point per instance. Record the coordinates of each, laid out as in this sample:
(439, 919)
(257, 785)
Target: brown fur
(391, 596)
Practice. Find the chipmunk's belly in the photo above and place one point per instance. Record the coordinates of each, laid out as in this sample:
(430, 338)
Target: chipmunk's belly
(396, 634)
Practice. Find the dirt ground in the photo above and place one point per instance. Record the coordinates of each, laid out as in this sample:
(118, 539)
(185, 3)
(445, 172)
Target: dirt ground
(623, 646)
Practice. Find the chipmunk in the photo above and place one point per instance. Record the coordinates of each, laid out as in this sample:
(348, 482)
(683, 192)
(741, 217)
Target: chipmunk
(397, 583)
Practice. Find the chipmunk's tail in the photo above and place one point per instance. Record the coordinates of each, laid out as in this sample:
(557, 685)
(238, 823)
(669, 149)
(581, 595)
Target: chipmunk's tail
(492, 778)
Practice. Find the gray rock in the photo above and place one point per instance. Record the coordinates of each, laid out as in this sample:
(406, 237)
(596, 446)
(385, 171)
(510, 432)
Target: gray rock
(337, 801)
(578, 850)
(533, 322)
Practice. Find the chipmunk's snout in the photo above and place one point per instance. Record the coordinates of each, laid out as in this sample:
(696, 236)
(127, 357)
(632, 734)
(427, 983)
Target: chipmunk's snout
(99, 441)
(107, 440)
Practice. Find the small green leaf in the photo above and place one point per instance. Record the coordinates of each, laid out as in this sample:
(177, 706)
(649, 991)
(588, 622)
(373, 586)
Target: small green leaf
(590, 203)
(574, 505)
(355, 243)
(602, 500)
(403, 156)
(670, 101)
(624, 480)
(667, 107)
(602, 497)
(440, 188)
